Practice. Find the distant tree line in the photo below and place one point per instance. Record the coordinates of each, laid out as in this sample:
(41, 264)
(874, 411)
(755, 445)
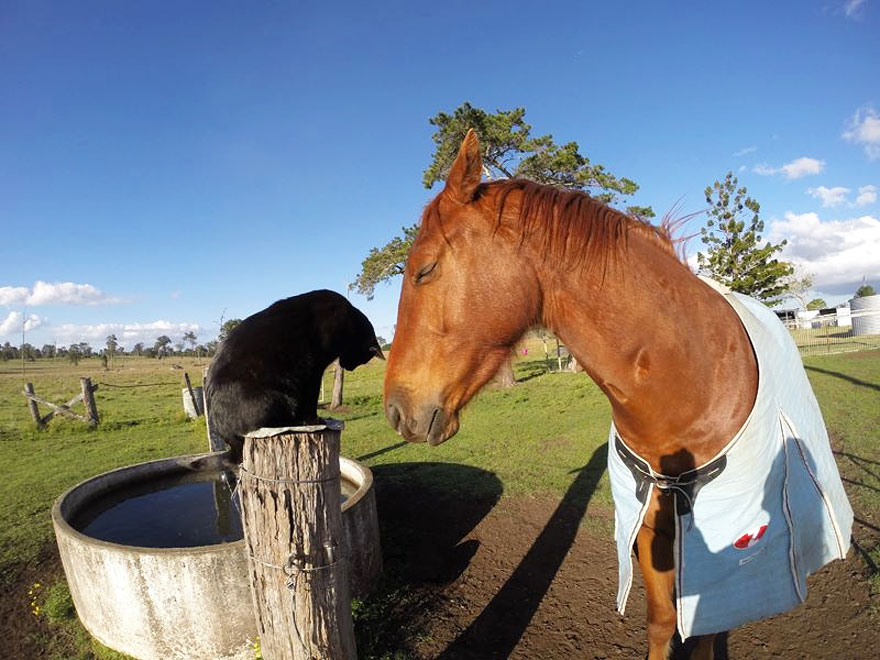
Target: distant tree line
(161, 348)
(187, 346)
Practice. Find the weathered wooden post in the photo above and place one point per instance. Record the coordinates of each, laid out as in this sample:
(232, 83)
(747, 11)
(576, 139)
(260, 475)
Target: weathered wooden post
(338, 380)
(292, 516)
(214, 443)
(192, 395)
(35, 411)
(88, 394)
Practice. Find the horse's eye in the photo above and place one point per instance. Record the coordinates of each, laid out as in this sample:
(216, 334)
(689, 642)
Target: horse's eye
(425, 271)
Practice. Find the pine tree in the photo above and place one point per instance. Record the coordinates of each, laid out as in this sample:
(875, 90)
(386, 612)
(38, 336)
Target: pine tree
(734, 255)
(509, 150)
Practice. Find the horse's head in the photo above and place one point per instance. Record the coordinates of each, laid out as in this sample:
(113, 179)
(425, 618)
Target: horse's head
(467, 297)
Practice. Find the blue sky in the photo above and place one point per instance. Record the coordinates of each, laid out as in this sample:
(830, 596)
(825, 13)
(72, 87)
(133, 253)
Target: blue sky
(165, 164)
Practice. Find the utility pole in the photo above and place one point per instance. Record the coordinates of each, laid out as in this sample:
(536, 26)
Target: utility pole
(23, 322)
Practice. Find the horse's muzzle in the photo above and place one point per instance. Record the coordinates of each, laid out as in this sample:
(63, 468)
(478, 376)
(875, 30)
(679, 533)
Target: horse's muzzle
(428, 423)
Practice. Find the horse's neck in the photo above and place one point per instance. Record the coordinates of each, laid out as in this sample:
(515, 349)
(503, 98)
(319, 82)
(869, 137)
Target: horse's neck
(668, 351)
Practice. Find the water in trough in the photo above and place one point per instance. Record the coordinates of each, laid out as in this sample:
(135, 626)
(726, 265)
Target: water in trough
(175, 511)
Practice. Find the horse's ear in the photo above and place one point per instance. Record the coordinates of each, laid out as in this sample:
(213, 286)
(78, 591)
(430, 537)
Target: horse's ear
(466, 171)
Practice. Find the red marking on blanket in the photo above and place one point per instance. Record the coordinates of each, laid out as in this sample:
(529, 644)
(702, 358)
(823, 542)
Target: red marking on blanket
(748, 540)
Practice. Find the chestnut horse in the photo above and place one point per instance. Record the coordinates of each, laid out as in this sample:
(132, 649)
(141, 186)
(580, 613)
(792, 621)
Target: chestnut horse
(493, 260)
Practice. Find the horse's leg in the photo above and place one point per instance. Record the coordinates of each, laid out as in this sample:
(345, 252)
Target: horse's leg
(704, 649)
(654, 544)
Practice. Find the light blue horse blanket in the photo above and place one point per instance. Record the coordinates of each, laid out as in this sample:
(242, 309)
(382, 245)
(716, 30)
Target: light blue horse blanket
(776, 513)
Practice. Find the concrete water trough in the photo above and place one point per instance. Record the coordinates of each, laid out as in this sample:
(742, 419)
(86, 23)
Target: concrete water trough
(156, 564)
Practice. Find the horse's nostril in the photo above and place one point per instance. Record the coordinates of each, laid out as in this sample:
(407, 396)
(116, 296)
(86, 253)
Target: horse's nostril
(393, 415)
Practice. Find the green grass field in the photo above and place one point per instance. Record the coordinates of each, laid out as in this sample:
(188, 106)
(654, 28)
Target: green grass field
(827, 339)
(533, 438)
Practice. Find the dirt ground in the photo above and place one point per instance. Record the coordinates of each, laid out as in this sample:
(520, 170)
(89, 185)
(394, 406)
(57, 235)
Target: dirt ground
(527, 582)
(511, 602)
(522, 578)
(23, 635)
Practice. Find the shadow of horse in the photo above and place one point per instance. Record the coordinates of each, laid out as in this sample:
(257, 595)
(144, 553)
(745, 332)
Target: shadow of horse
(501, 624)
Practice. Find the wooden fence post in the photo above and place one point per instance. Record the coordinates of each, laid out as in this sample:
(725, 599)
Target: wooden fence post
(88, 393)
(192, 396)
(214, 443)
(338, 380)
(292, 517)
(35, 411)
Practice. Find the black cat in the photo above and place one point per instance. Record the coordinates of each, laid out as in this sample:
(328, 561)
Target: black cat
(268, 370)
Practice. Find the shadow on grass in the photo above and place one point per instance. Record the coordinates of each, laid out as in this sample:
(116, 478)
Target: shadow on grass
(499, 627)
(533, 369)
(865, 523)
(849, 379)
(362, 415)
(384, 450)
(859, 483)
(860, 461)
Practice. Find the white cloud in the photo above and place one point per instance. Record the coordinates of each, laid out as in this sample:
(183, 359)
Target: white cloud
(128, 334)
(11, 325)
(744, 151)
(796, 169)
(764, 170)
(802, 167)
(33, 322)
(864, 128)
(830, 196)
(13, 295)
(867, 195)
(55, 293)
(838, 252)
(852, 8)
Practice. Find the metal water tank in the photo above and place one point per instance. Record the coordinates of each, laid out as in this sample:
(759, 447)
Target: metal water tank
(865, 315)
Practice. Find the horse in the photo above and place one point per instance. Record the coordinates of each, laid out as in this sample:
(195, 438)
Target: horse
(494, 259)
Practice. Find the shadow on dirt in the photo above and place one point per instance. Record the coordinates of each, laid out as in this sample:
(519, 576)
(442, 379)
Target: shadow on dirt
(426, 511)
(499, 627)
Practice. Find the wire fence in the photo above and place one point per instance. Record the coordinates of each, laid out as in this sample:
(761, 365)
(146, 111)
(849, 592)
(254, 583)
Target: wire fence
(836, 332)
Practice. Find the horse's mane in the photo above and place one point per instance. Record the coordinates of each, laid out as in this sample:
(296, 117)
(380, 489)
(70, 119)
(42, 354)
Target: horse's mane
(569, 225)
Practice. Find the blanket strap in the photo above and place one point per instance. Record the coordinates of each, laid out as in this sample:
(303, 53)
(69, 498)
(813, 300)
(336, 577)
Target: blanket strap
(685, 486)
